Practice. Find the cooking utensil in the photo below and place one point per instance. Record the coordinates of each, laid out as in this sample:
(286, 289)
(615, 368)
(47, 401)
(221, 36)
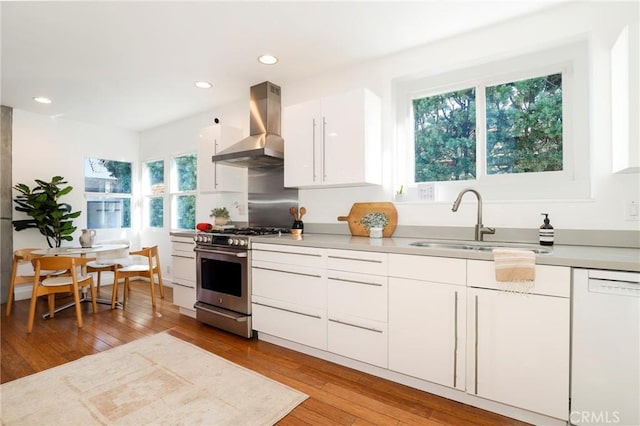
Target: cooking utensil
(358, 210)
(293, 211)
(303, 211)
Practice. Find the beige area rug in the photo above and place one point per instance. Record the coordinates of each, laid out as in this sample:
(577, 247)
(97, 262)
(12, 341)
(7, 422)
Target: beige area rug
(155, 380)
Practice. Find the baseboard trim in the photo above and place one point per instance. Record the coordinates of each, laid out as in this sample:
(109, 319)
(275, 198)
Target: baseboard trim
(423, 385)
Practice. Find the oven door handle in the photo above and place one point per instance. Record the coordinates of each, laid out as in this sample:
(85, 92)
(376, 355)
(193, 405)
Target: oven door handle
(237, 318)
(226, 253)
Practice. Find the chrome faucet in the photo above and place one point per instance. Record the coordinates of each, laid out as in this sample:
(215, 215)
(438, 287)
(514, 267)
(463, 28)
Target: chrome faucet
(480, 228)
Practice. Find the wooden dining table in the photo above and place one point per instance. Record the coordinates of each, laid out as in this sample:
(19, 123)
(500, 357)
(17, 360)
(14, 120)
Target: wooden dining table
(82, 252)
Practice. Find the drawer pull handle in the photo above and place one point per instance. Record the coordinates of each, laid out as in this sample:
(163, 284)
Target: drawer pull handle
(355, 281)
(455, 338)
(287, 272)
(183, 257)
(289, 252)
(356, 326)
(288, 310)
(184, 285)
(355, 258)
(475, 369)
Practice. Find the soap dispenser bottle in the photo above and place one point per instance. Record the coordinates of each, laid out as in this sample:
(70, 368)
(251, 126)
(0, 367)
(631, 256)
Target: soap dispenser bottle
(546, 231)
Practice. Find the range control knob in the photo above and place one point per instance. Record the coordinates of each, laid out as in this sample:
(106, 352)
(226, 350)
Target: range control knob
(243, 242)
(230, 241)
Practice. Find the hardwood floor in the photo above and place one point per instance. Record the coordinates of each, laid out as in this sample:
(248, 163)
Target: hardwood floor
(337, 395)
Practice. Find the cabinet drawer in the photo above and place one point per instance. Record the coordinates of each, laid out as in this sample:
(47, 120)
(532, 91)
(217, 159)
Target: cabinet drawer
(359, 295)
(291, 322)
(358, 339)
(427, 268)
(550, 280)
(184, 294)
(357, 261)
(184, 268)
(288, 283)
(300, 256)
(183, 246)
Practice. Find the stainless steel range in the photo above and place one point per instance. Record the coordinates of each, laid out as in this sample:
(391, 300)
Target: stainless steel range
(223, 272)
(224, 258)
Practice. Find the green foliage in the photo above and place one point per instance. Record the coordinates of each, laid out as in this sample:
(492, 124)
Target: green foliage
(523, 130)
(156, 212)
(53, 219)
(122, 171)
(445, 136)
(186, 211)
(220, 212)
(524, 126)
(374, 220)
(186, 172)
(156, 172)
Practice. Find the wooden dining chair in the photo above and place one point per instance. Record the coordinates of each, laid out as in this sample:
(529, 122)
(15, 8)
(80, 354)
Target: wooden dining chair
(66, 283)
(107, 261)
(145, 263)
(20, 256)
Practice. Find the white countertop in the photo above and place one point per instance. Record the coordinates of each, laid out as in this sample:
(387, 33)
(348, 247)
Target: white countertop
(613, 258)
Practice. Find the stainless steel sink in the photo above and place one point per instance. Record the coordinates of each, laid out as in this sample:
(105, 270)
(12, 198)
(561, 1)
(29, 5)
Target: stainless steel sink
(464, 245)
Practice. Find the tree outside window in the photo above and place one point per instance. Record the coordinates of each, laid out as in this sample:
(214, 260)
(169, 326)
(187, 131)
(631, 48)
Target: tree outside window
(523, 130)
(445, 136)
(524, 126)
(153, 181)
(108, 192)
(184, 177)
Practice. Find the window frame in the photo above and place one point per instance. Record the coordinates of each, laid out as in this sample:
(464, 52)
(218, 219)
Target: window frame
(570, 182)
(91, 196)
(148, 195)
(174, 193)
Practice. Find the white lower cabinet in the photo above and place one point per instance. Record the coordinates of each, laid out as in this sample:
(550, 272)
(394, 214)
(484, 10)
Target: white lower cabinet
(183, 270)
(427, 318)
(290, 301)
(518, 344)
(357, 305)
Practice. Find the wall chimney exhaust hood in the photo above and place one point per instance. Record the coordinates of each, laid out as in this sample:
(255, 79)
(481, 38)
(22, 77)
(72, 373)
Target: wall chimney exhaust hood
(264, 146)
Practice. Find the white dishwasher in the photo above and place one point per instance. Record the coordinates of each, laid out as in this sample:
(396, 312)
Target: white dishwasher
(605, 354)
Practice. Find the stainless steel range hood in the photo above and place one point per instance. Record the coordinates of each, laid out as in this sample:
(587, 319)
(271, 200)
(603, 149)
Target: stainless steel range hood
(264, 146)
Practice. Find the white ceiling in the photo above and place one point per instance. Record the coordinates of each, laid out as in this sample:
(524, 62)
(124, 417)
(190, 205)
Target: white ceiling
(132, 65)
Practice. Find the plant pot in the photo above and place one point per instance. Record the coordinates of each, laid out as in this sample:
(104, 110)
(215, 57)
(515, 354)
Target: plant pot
(221, 221)
(375, 232)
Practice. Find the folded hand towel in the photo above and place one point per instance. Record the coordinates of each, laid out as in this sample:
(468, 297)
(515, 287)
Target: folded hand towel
(514, 265)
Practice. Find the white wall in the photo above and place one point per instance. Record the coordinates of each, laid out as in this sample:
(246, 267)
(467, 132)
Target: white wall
(598, 23)
(44, 147)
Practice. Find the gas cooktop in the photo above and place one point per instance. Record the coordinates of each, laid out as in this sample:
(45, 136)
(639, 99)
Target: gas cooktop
(251, 231)
(237, 237)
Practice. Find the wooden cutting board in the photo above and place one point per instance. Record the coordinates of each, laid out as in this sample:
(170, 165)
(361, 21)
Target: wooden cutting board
(358, 210)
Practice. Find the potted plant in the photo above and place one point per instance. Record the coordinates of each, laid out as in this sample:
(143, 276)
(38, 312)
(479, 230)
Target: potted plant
(221, 215)
(374, 222)
(53, 219)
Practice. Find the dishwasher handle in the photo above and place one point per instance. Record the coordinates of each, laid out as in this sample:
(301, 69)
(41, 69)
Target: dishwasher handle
(614, 283)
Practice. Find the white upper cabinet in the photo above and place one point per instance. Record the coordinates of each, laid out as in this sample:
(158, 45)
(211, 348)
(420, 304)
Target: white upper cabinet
(214, 177)
(333, 141)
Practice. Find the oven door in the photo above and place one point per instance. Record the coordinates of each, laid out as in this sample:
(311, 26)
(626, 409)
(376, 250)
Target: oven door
(223, 278)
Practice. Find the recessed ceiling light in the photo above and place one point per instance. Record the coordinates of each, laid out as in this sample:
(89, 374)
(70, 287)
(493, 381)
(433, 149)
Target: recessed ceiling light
(267, 59)
(203, 84)
(42, 100)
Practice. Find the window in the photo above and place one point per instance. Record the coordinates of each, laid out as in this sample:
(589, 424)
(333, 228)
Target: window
(183, 191)
(107, 185)
(523, 130)
(445, 136)
(509, 128)
(153, 182)
(524, 126)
